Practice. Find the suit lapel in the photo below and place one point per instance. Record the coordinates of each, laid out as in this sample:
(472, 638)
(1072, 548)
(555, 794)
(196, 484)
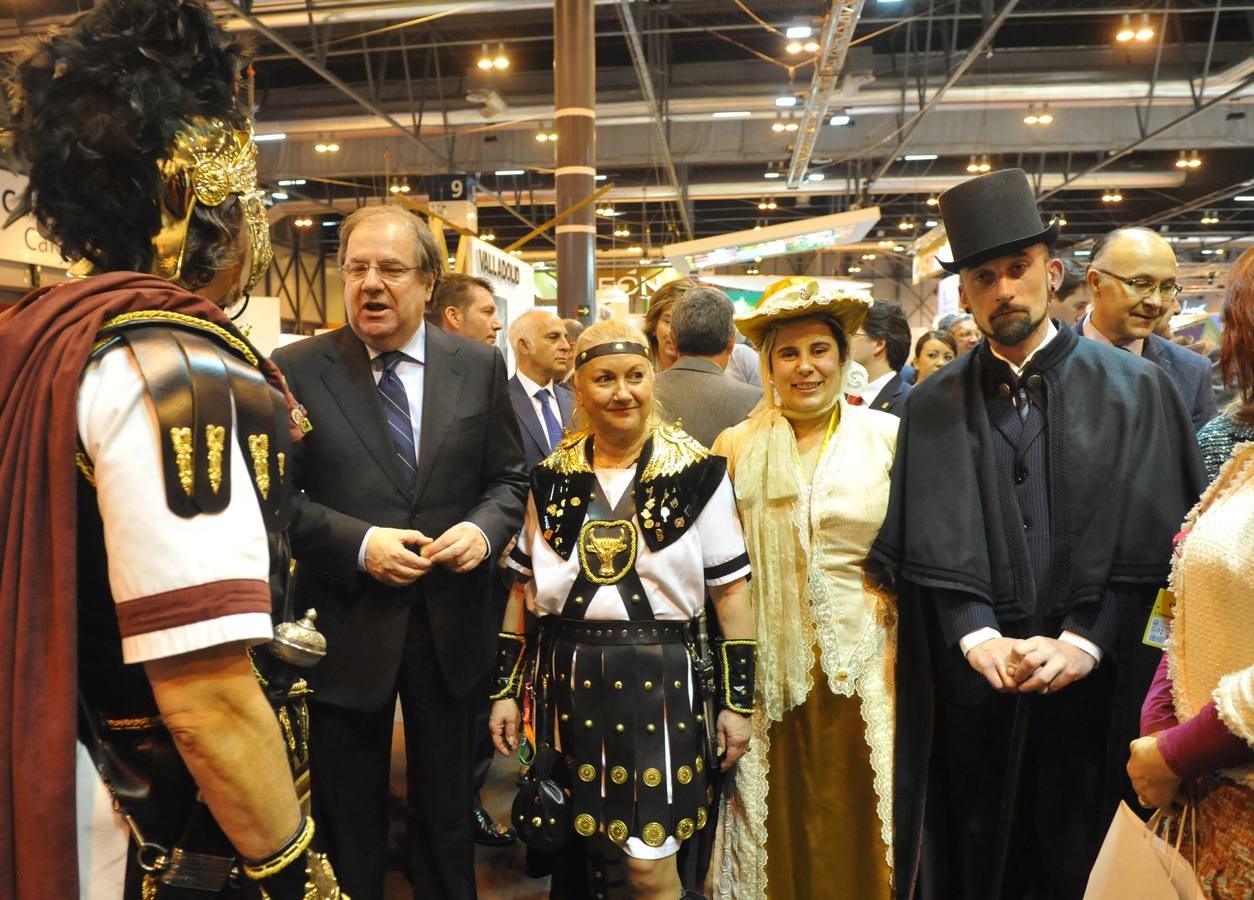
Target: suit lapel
(441, 401)
(565, 404)
(1152, 352)
(526, 415)
(884, 399)
(350, 381)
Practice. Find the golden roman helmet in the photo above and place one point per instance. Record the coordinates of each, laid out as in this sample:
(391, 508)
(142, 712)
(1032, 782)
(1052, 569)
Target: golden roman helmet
(210, 161)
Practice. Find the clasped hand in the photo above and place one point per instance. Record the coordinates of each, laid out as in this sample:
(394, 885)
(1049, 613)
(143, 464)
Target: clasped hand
(400, 556)
(1037, 664)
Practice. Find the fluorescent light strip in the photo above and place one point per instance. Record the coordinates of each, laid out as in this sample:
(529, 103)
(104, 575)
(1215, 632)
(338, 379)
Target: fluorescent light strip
(503, 172)
(919, 157)
(291, 182)
(786, 101)
(733, 114)
(1244, 198)
(274, 136)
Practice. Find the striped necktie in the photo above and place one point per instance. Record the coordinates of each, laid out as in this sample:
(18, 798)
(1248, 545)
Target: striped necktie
(396, 411)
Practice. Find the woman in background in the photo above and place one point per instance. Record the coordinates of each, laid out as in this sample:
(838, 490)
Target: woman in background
(1235, 424)
(657, 322)
(932, 352)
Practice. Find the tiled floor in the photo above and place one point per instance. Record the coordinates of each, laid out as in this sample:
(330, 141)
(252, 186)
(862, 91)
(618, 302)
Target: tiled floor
(500, 871)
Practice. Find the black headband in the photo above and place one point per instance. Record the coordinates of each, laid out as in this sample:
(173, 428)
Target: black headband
(609, 348)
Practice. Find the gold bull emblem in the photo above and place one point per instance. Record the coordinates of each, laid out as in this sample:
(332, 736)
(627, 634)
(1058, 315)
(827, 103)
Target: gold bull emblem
(607, 541)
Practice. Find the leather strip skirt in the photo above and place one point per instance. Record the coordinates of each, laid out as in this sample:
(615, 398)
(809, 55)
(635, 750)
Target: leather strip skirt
(622, 700)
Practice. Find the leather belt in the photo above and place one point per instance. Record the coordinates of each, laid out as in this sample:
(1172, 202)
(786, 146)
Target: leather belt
(617, 631)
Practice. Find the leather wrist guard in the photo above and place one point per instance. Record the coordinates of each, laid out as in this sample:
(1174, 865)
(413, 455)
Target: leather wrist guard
(511, 652)
(296, 871)
(737, 670)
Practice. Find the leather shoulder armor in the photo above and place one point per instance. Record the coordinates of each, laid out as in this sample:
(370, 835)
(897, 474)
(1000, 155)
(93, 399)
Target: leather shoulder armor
(193, 370)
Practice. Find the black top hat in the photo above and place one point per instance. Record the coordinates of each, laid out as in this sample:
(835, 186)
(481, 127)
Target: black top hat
(992, 215)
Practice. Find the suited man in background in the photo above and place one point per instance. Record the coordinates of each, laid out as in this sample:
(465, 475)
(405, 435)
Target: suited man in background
(1132, 280)
(541, 402)
(882, 347)
(696, 391)
(411, 481)
(463, 304)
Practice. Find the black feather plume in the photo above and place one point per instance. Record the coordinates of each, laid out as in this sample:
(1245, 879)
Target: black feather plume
(94, 108)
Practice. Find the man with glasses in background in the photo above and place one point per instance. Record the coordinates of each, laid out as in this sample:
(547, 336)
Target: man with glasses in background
(410, 485)
(1132, 280)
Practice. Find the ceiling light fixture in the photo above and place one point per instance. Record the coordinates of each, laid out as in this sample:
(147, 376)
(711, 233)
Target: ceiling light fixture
(930, 223)
(327, 148)
(840, 118)
(906, 225)
(1244, 198)
(854, 270)
(502, 173)
(798, 32)
(291, 182)
(1045, 117)
(793, 48)
(1146, 31)
(867, 256)
(786, 101)
(931, 200)
(1210, 218)
(732, 114)
(1030, 117)
(279, 195)
(984, 165)
(972, 166)
(272, 136)
(1112, 196)
(329, 223)
(815, 176)
(302, 222)
(886, 242)
(919, 157)
(490, 236)
(485, 61)
(772, 174)
(1125, 32)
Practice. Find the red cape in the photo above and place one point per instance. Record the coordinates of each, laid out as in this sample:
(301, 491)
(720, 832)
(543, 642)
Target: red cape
(44, 344)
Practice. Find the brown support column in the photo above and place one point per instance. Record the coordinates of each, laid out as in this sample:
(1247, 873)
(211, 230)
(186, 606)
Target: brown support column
(574, 88)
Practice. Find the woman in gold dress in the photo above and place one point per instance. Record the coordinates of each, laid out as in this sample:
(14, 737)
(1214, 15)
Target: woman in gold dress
(809, 812)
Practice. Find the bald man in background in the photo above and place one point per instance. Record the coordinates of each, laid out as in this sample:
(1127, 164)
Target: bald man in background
(1132, 281)
(541, 402)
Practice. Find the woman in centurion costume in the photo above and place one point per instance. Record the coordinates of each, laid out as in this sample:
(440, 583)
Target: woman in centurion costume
(630, 523)
(809, 813)
(143, 448)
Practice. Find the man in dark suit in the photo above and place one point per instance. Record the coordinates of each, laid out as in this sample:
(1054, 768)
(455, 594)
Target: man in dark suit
(541, 402)
(696, 391)
(411, 480)
(1132, 279)
(881, 347)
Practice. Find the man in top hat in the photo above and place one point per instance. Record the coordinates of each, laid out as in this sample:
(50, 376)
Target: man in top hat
(1021, 666)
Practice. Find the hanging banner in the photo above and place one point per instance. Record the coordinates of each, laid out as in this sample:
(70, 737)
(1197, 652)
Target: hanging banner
(513, 282)
(21, 241)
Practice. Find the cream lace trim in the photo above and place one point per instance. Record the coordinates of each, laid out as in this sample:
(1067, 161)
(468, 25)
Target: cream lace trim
(1229, 479)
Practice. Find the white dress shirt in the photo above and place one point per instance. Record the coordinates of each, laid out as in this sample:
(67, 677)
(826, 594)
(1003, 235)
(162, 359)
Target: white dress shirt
(872, 389)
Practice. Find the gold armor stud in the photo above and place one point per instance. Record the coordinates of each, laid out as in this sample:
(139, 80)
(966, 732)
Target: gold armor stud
(618, 685)
(682, 726)
(654, 834)
(587, 772)
(702, 817)
(618, 775)
(648, 685)
(259, 447)
(215, 440)
(650, 728)
(585, 825)
(575, 501)
(587, 723)
(617, 831)
(709, 793)
(683, 774)
(700, 764)
(181, 438)
(620, 728)
(685, 829)
(587, 684)
(652, 778)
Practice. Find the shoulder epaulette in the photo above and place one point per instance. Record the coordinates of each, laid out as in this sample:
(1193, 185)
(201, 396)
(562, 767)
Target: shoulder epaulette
(192, 371)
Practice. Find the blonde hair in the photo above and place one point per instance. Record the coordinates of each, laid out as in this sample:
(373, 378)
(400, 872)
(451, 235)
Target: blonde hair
(606, 332)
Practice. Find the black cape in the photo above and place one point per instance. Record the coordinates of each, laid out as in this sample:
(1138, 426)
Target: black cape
(1124, 469)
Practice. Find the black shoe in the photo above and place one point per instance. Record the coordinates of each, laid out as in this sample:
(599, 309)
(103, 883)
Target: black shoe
(487, 832)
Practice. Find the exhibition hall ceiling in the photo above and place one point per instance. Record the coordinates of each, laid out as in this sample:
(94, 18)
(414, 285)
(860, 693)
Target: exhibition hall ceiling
(907, 97)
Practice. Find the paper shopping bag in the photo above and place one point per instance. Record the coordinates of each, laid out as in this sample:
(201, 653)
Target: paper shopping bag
(1135, 862)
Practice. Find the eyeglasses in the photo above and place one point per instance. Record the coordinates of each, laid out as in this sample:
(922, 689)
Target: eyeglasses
(389, 272)
(1143, 287)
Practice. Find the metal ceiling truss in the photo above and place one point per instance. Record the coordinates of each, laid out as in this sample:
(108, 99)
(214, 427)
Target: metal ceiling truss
(838, 28)
(657, 114)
